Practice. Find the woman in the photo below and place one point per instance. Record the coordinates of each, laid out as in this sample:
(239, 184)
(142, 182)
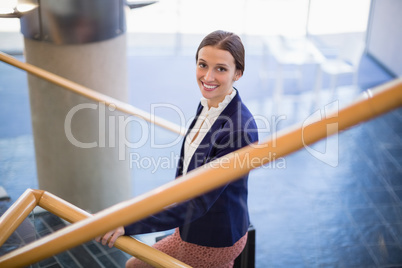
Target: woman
(211, 230)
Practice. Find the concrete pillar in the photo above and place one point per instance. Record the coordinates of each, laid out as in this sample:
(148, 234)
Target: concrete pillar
(76, 139)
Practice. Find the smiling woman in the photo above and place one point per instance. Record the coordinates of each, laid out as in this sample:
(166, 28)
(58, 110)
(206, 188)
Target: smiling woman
(210, 230)
(216, 73)
(220, 62)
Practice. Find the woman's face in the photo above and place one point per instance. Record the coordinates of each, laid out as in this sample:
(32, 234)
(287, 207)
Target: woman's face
(216, 72)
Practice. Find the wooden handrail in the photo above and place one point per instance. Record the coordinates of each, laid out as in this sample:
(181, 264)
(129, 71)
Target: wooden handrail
(210, 176)
(71, 213)
(17, 213)
(91, 94)
(14, 216)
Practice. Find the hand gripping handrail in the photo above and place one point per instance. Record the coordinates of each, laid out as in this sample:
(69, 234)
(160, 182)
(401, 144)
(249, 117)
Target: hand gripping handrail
(208, 177)
(14, 216)
(91, 94)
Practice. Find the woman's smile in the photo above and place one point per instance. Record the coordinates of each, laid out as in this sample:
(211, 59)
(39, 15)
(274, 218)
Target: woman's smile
(209, 87)
(216, 73)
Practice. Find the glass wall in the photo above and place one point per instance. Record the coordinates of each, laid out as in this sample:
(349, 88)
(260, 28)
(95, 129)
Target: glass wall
(253, 17)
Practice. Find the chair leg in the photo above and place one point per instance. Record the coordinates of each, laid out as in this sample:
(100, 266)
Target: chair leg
(299, 72)
(316, 101)
(333, 83)
(355, 83)
(278, 91)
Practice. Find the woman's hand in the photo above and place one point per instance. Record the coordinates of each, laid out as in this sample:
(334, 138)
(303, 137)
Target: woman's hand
(110, 237)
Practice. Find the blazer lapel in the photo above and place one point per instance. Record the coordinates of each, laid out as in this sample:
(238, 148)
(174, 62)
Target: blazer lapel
(179, 170)
(200, 155)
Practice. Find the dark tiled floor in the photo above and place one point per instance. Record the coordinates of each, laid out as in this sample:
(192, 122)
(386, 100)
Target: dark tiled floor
(90, 254)
(306, 212)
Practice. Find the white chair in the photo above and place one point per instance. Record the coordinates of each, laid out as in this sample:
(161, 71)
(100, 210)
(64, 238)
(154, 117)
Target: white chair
(346, 62)
(287, 51)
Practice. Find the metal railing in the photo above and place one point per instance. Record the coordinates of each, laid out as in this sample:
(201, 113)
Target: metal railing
(203, 179)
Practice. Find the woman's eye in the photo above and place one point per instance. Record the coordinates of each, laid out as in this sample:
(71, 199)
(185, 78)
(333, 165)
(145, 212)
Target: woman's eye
(221, 69)
(201, 65)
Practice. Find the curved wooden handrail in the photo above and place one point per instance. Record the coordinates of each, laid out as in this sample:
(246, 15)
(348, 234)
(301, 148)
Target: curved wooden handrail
(14, 216)
(135, 248)
(92, 94)
(210, 176)
(17, 213)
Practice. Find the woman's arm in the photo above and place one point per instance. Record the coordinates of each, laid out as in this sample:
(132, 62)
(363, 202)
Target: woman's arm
(193, 209)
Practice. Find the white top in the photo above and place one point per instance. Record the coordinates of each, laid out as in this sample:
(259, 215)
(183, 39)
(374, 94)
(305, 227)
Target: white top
(204, 122)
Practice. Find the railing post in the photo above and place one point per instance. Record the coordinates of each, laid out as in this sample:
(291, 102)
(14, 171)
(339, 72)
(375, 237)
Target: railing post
(77, 140)
(17, 213)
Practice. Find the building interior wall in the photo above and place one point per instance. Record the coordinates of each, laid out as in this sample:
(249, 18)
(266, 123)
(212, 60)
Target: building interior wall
(384, 34)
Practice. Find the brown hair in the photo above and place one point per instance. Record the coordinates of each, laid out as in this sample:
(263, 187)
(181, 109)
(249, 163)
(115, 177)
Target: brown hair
(226, 41)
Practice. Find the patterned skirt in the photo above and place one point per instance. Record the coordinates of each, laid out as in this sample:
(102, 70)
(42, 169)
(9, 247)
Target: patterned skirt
(195, 255)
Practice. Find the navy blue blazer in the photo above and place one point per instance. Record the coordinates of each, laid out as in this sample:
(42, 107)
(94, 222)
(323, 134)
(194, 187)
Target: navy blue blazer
(218, 218)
